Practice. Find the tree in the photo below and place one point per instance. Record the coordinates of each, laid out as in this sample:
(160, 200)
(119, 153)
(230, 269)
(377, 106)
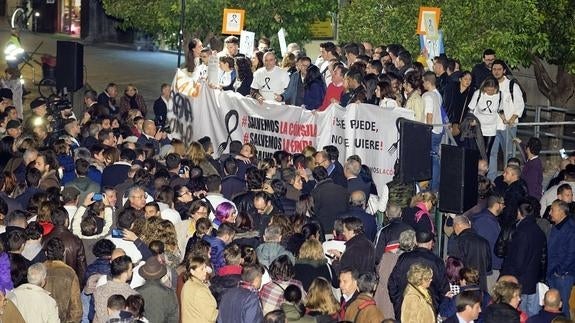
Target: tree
(204, 18)
(523, 32)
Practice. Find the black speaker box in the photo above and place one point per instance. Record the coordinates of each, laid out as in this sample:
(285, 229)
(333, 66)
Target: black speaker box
(458, 179)
(414, 151)
(69, 65)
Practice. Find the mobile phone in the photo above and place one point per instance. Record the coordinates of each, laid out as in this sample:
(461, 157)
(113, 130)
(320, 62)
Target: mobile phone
(117, 233)
(563, 153)
(98, 197)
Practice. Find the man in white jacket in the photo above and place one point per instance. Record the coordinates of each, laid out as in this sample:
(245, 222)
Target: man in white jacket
(34, 302)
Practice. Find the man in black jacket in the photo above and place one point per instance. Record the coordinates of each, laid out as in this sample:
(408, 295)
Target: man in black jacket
(359, 252)
(516, 190)
(526, 257)
(151, 135)
(232, 184)
(245, 201)
(332, 165)
(471, 248)
(387, 238)
(421, 254)
(330, 199)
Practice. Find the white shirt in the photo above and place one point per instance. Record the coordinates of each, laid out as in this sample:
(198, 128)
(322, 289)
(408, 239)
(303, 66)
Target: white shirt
(432, 102)
(270, 83)
(388, 103)
(486, 111)
(71, 209)
(129, 248)
(510, 106)
(333, 244)
(324, 69)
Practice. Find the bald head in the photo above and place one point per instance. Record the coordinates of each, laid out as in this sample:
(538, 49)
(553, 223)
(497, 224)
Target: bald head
(118, 252)
(552, 299)
(460, 223)
(357, 198)
(149, 128)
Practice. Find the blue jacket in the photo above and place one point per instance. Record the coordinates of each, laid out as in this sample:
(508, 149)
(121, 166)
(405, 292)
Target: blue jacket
(561, 249)
(486, 225)
(216, 252)
(99, 266)
(67, 163)
(248, 310)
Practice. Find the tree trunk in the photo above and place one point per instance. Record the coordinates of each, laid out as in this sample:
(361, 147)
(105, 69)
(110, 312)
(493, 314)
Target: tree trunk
(558, 92)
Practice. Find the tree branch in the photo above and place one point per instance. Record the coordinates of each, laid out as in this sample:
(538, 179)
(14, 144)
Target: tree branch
(544, 81)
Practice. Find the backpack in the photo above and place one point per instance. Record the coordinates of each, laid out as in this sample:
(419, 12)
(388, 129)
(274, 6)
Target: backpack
(512, 82)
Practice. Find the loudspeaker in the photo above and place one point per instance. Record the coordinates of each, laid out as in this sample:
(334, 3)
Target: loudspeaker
(69, 65)
(414, 151)
(458, 179)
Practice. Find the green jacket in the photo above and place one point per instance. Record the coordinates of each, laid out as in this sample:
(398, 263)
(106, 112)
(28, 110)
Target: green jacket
(293, 315)
(161, 302)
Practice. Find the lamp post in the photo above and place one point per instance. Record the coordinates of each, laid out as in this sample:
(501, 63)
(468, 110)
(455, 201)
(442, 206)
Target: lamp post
(181, 33)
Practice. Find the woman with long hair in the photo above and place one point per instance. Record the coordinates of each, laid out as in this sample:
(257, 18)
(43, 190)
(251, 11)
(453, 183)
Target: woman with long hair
(486, 104)
(456, 97)
(321, 303)
(193, 58)
(198, 156)
(414, 102)
(257, 60)
(132, 99)
(245, 76)
(311, 263)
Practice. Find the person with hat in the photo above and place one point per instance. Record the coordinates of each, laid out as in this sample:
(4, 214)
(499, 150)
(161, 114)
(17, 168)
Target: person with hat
(14, 129)
(38, 117)
(161, 301)
(421, 254)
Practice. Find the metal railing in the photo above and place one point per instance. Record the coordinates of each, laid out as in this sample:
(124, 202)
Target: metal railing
(539, 128)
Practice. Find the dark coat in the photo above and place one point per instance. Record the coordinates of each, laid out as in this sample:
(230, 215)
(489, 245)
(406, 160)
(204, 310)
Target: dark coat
(74, 255)
(358, 184)
(114, 174)
(337, 175)
(487, 226)
(330, 200)
(143, 141)
(249, 310)
(160, 111)
(526, 260)
(561, 248)
(227, 278)
(474, 251)
(24, 198)
(306, 271)
(99, 266)
(543, 317)
(245, 202)
(514, 193)
(500, 313)
(232, 186)
(389, 236)
(359, 254)
(368, 220)
(161, 302)
(313, 94)
(398, 278)
(286, 205)
(246, 85)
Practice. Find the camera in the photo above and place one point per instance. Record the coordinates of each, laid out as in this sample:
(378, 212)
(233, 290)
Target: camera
(167, 129)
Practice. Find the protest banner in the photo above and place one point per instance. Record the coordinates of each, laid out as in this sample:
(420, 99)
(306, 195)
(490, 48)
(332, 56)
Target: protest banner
(359, 129)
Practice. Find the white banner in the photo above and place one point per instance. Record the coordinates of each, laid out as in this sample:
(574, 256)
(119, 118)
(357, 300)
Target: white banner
(364, 130)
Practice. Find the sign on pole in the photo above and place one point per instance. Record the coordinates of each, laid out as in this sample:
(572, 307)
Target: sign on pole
(247, 40)
(233, 21)
(282, 40)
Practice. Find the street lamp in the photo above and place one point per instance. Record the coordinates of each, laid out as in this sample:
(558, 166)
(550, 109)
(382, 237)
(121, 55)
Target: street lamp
(181, 34)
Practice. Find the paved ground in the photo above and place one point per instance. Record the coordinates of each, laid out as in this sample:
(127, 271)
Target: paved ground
(104, 63)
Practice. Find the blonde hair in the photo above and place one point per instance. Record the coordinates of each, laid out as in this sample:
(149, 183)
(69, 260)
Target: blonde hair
(320, 297)
(309, 151)
(311, 249)
(423, 197)
(419, 273)
(179, 147)
(196, 153)
(504, 291)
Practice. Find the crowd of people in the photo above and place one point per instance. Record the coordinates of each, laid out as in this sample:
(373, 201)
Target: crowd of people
(108, 218)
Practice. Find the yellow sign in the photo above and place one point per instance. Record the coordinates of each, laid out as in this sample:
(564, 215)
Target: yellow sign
(322, 30)
(233, 21)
